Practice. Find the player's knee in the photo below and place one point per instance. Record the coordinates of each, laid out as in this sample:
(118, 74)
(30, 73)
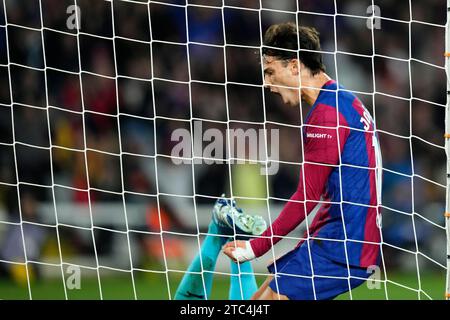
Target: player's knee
(269, 294)
(277, 296)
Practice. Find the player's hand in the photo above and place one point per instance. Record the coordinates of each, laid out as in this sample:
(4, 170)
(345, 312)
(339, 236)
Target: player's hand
(229, 247)
(239, 251)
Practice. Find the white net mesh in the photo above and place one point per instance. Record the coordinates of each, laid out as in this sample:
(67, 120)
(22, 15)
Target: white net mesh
(94, 197)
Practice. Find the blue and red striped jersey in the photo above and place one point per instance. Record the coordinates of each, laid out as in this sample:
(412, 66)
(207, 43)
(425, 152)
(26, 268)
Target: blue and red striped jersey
(341, 176)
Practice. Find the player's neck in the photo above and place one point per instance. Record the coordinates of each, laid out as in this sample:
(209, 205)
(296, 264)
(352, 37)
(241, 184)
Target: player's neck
(311, 86)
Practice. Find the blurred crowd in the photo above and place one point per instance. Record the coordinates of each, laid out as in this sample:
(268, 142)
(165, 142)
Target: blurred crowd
(110, 92)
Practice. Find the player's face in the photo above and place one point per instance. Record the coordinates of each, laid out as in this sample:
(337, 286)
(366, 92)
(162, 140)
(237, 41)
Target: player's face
(281, 76)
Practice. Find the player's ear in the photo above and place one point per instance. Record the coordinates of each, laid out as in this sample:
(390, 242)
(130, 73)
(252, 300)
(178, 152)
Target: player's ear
(294, 65)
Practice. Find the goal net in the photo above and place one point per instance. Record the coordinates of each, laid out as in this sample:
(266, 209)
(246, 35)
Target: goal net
(122, 122)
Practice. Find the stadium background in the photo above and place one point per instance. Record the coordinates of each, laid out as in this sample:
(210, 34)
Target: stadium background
(163, 103)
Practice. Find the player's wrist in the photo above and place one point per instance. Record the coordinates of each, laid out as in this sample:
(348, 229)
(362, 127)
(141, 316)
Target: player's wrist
(256, 246)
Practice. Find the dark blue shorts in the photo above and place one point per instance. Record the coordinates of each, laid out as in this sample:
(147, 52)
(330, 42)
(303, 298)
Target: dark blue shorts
(294, 276)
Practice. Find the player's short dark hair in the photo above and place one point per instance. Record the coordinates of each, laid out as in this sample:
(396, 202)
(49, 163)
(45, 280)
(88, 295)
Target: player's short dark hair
(287, 36)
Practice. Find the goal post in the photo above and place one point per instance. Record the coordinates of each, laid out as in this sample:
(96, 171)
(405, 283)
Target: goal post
(123, 121)
(447, 147)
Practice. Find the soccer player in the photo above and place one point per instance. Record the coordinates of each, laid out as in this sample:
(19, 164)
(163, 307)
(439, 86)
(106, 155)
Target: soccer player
(339, 176)
(227, 220)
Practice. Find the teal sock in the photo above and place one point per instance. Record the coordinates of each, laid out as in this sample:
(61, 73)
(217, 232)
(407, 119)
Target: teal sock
(247, 280)
(191, 286)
